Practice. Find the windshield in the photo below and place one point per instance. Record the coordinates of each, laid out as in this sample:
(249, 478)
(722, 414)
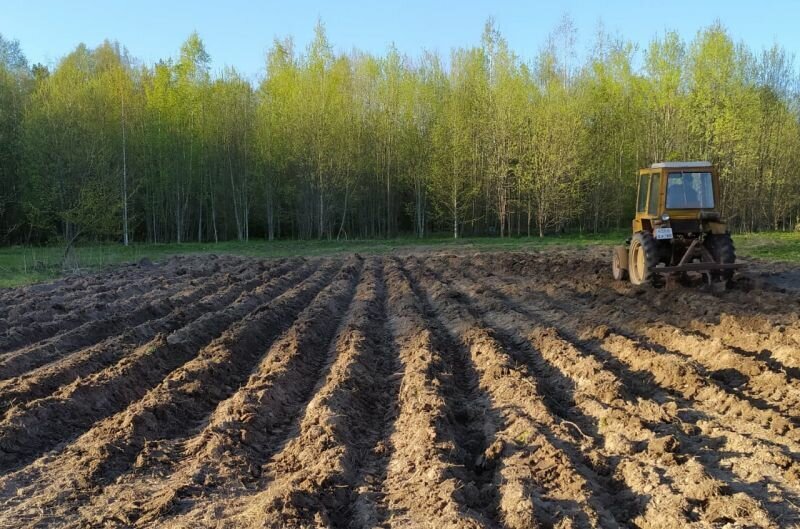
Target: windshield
(690, 191)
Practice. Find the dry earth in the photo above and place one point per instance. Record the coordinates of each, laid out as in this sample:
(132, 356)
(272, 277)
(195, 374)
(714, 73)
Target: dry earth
(490, 390)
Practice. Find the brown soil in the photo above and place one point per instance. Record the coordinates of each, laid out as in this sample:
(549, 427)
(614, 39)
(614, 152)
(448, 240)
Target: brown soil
(491, 390)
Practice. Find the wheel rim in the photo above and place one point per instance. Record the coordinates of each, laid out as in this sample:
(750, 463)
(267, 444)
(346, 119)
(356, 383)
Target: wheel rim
(640, 262)
(637, 270)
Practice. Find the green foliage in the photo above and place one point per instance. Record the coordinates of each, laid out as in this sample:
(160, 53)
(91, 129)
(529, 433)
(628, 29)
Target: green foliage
(334, 145)
(14, 85)
(11, 56)
(97, 211)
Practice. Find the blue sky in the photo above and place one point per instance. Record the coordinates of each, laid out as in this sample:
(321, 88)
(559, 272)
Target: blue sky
(238, 32)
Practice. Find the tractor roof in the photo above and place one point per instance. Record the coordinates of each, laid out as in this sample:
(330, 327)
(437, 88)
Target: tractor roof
(679, 165)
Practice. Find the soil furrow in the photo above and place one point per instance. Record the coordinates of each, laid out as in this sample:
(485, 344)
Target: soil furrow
(749, 379)
(313, 480)
(110, 448)
(119, 281)
(423, 487)
(55, 318)
(537, 481)
(585, 318)
(90, 333)
(752, 379)
(649, 438)
(743, 319)
(776, 344)
(474, 421)
(29, 429)
(41, 324)
(101, 281)
(45, 306)
(431, 390)
(46, 379)
(247, 428)
(589, 274)
(764, 384)
(317, 429)
(376, 378)
(649, 371)
(563, 395)
(68, 293)
(642, 444)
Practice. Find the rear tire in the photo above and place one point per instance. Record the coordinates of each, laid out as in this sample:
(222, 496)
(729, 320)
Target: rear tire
(722, 250)
(642, 258)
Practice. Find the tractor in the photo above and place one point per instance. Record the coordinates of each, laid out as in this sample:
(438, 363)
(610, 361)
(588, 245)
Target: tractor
(677, 228)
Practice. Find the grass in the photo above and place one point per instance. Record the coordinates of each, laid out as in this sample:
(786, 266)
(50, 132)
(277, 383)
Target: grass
(772, 246)
(25, 265)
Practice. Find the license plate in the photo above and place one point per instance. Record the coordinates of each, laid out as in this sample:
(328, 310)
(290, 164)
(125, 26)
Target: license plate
(663, 233)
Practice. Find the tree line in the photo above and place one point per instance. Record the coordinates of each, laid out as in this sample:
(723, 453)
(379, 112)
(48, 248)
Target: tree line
(354, 145)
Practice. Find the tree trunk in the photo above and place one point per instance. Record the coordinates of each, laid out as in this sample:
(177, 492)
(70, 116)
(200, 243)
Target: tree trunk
(270, 216)
(321, 225)
(455, 216)
(69, 246)
(214, 219)
(234, 193)
(200, 220)
(344, 214)
(124, 178)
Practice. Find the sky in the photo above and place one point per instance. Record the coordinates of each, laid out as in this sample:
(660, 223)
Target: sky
(239, 32)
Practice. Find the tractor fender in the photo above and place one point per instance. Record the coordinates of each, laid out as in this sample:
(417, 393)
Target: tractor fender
(717, 228)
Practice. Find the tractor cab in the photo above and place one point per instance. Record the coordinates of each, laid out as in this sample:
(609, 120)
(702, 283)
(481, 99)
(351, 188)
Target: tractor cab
(681, 193)
(677, 227)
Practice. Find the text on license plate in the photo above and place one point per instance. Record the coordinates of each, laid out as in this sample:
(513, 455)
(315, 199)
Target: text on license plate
(663, 233)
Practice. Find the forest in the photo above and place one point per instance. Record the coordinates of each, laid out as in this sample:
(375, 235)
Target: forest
(329, 145)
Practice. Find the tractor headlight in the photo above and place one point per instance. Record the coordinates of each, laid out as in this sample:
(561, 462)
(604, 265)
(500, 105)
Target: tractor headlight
(665, 217)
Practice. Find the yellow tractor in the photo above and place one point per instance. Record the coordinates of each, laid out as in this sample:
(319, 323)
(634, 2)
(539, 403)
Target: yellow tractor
(677, 228)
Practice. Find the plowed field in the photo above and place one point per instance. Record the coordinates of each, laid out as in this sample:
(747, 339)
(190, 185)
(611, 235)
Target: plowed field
(489, 390)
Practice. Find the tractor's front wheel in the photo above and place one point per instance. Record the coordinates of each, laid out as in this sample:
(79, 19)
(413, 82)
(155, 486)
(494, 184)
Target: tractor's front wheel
(721, 249)
(643, 258)
(619, 263)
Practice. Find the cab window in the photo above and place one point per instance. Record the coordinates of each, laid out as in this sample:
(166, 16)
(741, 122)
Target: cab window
(688, 190)
(655, 187)
(640, 204)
